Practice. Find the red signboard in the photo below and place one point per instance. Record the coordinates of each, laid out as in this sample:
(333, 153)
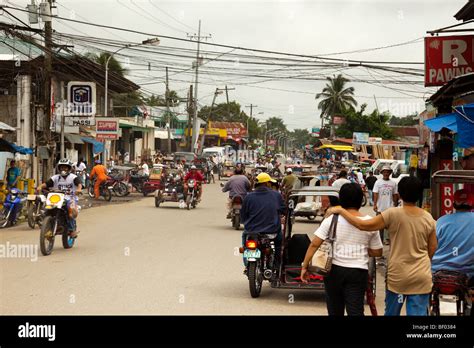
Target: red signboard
(447, 57)
(107, 128)
(447, 193)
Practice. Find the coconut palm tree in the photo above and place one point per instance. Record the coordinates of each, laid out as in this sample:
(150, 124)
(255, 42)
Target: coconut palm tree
(336, 98)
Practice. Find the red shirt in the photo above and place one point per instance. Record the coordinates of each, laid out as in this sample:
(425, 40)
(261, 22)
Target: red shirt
(196, 176)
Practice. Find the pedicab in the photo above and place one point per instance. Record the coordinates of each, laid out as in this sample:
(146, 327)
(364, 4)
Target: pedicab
(154, 180)
(283, 269)
(452, 294)
(227, 170)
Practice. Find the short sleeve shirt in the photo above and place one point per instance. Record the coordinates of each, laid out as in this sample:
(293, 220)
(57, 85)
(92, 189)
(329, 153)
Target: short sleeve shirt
(409, 265)
(385, 189)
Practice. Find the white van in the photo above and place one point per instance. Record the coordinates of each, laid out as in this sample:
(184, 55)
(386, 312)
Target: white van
(217, 151)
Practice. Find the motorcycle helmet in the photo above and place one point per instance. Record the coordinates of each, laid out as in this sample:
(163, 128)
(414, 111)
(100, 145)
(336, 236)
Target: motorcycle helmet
(64, 163)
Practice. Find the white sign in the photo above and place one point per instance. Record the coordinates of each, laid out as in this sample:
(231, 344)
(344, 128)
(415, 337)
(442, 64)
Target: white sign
(81, 99)
(81, 121)
(375, 141)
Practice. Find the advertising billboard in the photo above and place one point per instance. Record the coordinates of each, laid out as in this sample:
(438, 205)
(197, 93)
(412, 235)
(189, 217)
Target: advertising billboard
(107, 128)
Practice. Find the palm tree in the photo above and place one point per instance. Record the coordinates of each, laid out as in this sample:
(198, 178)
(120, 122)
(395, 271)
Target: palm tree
(114, 64)
(337, 98)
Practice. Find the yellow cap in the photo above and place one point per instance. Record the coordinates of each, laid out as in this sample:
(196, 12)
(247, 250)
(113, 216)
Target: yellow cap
(264, 177)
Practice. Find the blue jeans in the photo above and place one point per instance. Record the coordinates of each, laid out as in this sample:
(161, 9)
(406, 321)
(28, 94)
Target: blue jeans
(417, 305)
(371, 197)
(71, 222)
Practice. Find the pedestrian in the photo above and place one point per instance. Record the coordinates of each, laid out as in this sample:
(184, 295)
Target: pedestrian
(412, 231)
(346, 283)
(413, 162)
(13, 175)
(100, 173)
(370, 182)
(341, 180)
(385, 194)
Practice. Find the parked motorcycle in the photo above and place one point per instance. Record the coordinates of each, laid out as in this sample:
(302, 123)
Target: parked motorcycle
(119, 187)
(259, 257)
(55, 221)
(235, 212)
(191, 197)
(137, 181)
(450, 294)
(105, 190)
(12, 207)
(35, 209)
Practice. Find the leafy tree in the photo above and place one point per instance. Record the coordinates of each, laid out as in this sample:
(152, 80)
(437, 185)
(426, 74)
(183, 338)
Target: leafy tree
(409, 120)
(375, 124)
(114, 64)
(275, 124)
(336, 98)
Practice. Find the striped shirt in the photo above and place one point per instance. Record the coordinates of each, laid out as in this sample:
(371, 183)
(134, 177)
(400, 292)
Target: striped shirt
(351, 244)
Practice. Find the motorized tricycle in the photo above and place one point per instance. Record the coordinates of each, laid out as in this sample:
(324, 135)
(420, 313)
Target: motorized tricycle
(154, 180)
(282, 266)
(171, 188)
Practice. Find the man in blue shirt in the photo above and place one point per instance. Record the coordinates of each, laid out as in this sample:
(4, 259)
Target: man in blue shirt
(13, 174)
(262, 208)
(456, 238)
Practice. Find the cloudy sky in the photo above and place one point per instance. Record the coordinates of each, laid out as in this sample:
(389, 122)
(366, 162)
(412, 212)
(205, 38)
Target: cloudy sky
(313, 27)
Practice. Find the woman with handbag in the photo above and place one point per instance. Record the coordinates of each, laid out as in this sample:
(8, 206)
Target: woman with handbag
(341, 253)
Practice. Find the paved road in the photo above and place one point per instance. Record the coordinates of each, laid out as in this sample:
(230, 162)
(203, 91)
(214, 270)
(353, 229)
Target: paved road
(134, 258)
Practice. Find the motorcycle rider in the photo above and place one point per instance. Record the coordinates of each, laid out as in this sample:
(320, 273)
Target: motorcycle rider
(238, 185)
(261, 210)
(66, 181)
(196, 176)
(99, 171)
(288, 182)
(455, 238)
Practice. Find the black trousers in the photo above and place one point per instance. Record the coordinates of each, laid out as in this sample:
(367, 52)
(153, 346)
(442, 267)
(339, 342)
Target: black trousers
(345, 289)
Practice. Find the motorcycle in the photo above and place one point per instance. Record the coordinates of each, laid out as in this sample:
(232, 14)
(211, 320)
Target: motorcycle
(450, 294)
(208, 175)
(137, 181)
(235, 212)
(105, 190)
(119, 188)
(12, 207)
(171, 191)
(35, 209)
(259, 258)
(55, 221)
(191, 197)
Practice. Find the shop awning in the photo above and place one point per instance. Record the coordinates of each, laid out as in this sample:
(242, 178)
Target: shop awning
(446, 121)
(163, 134)
(98, 146)
(10, 147)
(465, 125)
(337, 147)
(6, 127)
(73, 138)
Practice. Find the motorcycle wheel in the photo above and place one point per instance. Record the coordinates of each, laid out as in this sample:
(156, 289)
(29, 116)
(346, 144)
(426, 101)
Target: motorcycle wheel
(31, 214)
(364, 200)
(255, 279)
(4, 219)
(68, 241)
(90, 191)
(157, 202)
(145, 193)
(121, 189)
(47, 236)
(107, 194)
(236, 222)
(312, 217)
(188, 202)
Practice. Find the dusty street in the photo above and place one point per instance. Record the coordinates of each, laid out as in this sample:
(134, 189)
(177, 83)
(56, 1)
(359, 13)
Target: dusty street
(134, 258)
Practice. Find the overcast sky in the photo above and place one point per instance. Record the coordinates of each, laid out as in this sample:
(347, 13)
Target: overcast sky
(306, 27)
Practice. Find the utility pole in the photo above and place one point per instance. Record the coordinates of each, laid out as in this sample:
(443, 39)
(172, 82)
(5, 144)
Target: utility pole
(195, 121)
(227, 97)
(251, 106)
(48, 69)
(208, 121)
(168, 112)
(190, 112)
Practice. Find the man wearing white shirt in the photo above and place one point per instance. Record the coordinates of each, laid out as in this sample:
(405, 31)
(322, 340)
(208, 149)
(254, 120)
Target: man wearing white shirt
(341, 181)
(145, 169)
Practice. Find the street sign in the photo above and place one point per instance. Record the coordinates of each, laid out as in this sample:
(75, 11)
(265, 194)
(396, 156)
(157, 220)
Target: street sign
(315, 132)
(447, 57)
(107, 128)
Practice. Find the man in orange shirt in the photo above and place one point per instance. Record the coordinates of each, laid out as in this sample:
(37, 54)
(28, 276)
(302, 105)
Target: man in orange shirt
(99, 171)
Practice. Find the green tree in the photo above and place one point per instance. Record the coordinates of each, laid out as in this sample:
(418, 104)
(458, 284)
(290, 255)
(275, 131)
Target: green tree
(410, 120)
(375, 124)
(276, 124)
(114, 64)
(302, 137)
(336, 98)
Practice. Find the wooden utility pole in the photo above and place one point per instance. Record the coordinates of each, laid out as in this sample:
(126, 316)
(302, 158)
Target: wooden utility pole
(48, 68)
(189, 144)
(168, 112)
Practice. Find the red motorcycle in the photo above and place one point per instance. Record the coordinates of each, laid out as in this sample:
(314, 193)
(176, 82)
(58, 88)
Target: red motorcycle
(450, 294)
